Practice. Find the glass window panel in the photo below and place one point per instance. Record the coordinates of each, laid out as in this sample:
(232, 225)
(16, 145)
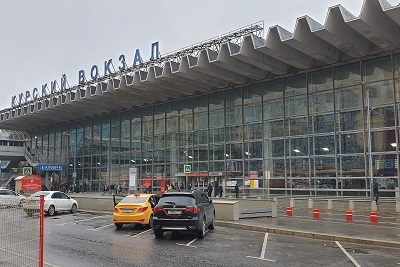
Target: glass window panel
(253, 150)
(276, 167)
(296, 106)
(323, 184)
(299, 147)
(234, 151)
(172, 109)
(379, 93)
(381, 117)
(252, 113)
(352, 120)
(299, 167)
(186, 107)
(295, 85)
(347, 75)
(252, 94)
(201, 104)
(274, 109)
(217, 166)
(352, 183)
(397, 65)
(186, 123)
(350, 97)
(321, 102)
(353, 166)
(201, 137)
(201, 120)
(274, 129)
(172, 154)
(216, 101)
(324, 123)
(383, 141)
(378, 69)
(324, 167)
(217, 118)
(234, 166)
(273, 90)
(217, 135)
(387, 183)
(351, 143)
(324, 145)
(233, 98)
(385, 165)
(298, 126)
(234, 115)
(217, 152)
(274, 148)
(299, 183)
(234, 133)
(253, 131)
(253, 169)
(320, 81)
(201, 153)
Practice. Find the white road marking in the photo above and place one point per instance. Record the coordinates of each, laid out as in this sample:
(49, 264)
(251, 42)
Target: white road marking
(95, 229)
(139, 233)
(347, 254)
(263, 249)
(191, 242)
(75, 222)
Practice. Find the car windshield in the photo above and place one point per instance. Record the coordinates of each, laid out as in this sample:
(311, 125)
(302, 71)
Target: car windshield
(133, 199)
(178, 200)
(38, 194)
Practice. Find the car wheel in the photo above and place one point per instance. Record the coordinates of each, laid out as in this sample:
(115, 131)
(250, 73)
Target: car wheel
(73, 208)
(158, 233)
(51, 211)
(212, 224)
(150, 225)
(202, 231)
(119, 226)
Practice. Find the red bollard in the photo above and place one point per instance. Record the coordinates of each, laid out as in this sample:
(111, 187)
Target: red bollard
(289, 211)
(349, 215)
(374, 217)
(316, 214)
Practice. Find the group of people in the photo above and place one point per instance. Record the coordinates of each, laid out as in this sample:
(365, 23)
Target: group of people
(112, 189)
(218, 190)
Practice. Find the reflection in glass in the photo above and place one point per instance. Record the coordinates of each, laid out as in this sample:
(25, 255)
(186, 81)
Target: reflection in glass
(353, 166)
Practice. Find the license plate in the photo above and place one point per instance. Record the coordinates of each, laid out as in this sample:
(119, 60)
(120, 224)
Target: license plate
(127, 210)
(174, 212)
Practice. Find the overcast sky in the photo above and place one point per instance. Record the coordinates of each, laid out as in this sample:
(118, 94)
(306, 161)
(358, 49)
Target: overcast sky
(43, 39)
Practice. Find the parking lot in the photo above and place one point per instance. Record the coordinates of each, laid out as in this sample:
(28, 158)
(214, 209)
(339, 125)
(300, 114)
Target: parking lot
(92, 240)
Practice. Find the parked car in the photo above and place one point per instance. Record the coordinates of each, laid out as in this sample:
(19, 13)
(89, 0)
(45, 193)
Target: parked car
(135, 209)
(10, 198)
(189, 211)
(54, 201)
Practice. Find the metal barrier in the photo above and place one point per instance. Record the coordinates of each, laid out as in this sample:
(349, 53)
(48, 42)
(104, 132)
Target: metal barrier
(21, 233)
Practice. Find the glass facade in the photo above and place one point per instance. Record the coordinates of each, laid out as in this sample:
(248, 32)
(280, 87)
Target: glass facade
(309, 134)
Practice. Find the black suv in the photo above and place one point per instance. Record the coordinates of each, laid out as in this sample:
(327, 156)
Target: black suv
(184, 211)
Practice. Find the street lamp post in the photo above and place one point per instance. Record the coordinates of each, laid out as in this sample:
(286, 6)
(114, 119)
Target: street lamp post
(369, 110)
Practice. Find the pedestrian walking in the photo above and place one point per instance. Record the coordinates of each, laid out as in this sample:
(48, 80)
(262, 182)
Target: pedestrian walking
(220, 190)
(209, 189)
(237, 190)
(112, 189)
(215, 189)
(105, 189)
(376, 193)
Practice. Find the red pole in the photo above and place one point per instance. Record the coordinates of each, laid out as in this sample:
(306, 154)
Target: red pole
(41, 231)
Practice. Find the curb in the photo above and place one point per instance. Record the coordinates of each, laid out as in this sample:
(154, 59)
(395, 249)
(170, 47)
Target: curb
(308, 234)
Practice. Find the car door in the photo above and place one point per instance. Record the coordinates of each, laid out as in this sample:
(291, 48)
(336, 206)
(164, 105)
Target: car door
(206, 206)
(56, 201)
(65, 201)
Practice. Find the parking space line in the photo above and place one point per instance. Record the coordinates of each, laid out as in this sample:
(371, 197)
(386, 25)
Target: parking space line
(135, 235)
(75, 222)
(347, 254)
(263, 249)
(95, 229)
(191, 242)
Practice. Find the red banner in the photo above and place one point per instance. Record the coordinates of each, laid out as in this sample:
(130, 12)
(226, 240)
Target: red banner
(31, 184)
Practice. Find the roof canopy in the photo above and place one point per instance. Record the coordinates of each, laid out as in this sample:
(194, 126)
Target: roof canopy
(252, 57)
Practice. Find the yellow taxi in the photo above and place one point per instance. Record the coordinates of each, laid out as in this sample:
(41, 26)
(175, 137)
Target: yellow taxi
(135, 209)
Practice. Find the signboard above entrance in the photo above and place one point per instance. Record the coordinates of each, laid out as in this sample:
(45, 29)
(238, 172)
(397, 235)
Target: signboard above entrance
(54, 168)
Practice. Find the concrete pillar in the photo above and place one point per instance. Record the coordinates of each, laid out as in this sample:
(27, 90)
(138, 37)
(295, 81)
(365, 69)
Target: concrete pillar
(330, 204)
(259, 197)
(397, 206)
(274, 206)
(351, 205)
(310, 203)
(292, 203)
(373, 206)
(276, 200)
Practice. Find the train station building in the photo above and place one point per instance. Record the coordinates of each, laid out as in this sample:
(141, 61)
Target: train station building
(309, 112)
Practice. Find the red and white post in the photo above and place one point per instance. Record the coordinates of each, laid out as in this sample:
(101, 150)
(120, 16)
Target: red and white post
(41, 232)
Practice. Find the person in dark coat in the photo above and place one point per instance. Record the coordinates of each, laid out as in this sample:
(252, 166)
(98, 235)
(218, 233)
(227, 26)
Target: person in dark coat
(376, 193)
(215, 189)
(209, 190)
(220, 190)
(237, 190)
